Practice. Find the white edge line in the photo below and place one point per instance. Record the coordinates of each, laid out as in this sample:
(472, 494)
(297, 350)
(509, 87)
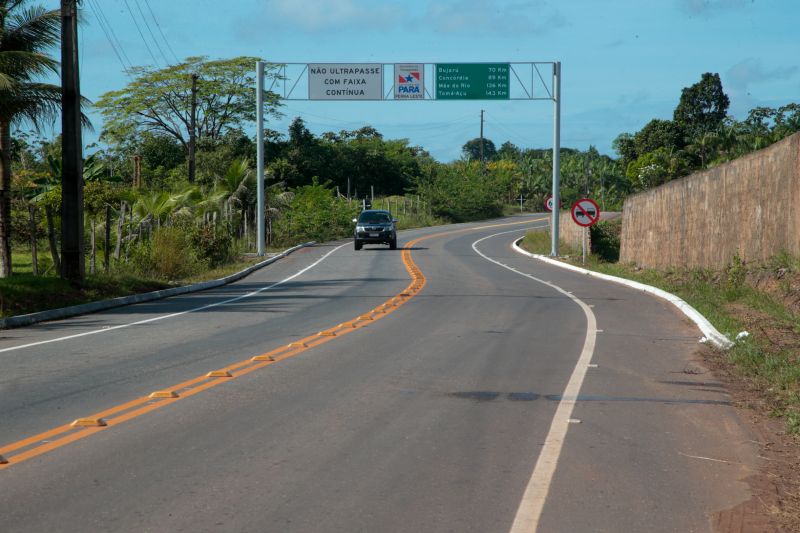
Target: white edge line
(711, 333)
(172, 315)
(530, 508)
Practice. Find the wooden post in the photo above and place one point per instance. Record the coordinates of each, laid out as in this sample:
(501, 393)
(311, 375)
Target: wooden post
(120, 224)
(93, 256)
(107, 246)
(34, 254)
(137, 171)
(51, 235)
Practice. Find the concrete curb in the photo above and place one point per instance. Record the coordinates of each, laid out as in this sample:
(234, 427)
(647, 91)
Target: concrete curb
(715, 337)
(92, 307)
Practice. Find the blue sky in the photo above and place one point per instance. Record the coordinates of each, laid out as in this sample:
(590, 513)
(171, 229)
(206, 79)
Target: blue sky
(624, 61)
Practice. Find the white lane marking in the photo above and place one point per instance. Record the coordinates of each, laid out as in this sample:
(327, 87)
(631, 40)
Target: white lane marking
(532, 504)
(105, 329)
(718, 339)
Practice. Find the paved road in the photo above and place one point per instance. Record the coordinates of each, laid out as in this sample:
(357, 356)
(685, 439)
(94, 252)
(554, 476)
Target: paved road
(455, 411)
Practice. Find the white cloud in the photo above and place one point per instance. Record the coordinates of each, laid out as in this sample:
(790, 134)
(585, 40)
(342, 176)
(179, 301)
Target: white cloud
(487, 16)
(752, 71)
(335, 15)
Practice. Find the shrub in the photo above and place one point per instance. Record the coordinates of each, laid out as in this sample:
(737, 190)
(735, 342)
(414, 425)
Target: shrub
(315, 214)
(168, 255)
(171, 255)
(605, 238)
(212, 244)
(20, 223)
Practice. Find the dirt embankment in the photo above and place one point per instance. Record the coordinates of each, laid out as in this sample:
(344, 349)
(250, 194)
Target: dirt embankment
(775, 502)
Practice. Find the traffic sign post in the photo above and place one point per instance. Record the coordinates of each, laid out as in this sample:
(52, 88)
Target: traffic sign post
(585, 213)
(549, 204)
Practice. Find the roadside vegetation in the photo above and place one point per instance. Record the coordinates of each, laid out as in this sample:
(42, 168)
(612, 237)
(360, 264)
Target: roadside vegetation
(762, 300)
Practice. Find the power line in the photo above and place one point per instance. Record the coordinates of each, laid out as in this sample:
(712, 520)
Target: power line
(116, 46)
(517, 137)
(136, 23)
(169, 47)
(150, 31)
(112, 32)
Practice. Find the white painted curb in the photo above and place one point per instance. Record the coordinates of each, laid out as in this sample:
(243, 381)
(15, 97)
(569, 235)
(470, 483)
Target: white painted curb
(715, 337)
(100, 305)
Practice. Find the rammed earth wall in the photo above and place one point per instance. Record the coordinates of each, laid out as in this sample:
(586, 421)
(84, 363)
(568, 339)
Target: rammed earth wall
(570, 232)
(749, 207)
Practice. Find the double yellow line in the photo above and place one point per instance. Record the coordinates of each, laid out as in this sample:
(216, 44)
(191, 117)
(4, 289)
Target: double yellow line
(81, 428)
(57, 437)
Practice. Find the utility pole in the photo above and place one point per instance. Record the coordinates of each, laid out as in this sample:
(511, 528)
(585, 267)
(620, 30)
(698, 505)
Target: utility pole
(481, 136)
(72, 256)
(192, 128)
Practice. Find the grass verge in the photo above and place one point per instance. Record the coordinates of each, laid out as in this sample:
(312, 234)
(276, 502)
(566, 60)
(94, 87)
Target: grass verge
(25, 293)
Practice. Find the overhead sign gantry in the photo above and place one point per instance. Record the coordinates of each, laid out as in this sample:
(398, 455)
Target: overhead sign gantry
(410, 81)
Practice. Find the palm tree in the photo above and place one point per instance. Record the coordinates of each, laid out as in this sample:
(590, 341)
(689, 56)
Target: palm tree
(25, 34)
(234, 185)
(156, 205)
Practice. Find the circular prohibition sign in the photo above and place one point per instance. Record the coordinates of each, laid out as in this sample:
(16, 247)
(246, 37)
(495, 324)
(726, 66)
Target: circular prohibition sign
(548, 204)
(585, 212)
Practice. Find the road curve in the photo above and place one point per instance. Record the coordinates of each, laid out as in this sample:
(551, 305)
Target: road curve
(431, 415)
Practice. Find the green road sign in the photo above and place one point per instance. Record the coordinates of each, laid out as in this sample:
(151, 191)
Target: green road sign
(472, 81)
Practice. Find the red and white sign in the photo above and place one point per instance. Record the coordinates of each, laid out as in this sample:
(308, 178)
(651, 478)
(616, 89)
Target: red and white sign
(408, 81)
(548, 204)
(585, 212)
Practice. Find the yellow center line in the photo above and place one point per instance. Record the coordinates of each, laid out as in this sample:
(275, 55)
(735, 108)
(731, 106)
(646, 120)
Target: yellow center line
(145, 404)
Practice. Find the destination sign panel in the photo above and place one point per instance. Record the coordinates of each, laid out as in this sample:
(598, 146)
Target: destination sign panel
(472, 81)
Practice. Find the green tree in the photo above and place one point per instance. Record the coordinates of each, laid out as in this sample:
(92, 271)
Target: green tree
(160, 151)
(657, 167)
(472, 149)
(625, 146)
(787, 120)
(26, 33)
(159, 100)
(659, 134)
(508, 150)
(702, 107)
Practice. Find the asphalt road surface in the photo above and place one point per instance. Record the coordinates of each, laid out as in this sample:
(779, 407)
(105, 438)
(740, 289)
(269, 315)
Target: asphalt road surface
(459, 386)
